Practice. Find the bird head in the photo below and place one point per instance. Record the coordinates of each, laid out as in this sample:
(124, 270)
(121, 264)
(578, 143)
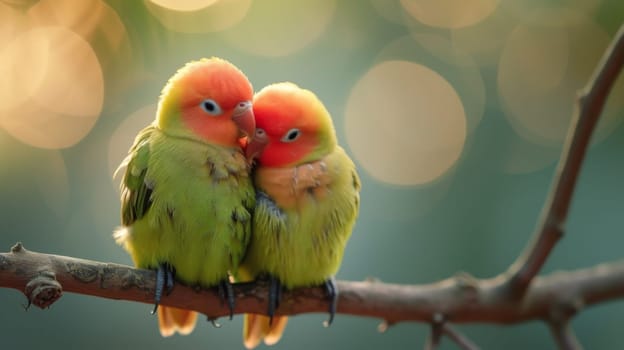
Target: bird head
(293, 127)
(209, 101)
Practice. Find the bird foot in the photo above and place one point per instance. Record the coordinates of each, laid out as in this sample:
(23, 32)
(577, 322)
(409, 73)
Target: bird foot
(164, 283)
(332, 295)
(226, 294)
(275, 295)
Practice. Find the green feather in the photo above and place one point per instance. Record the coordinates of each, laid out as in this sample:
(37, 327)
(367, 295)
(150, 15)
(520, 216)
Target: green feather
(303, 245)
(186, 203)
(307, 199)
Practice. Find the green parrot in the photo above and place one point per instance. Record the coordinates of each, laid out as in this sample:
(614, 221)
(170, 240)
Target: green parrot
(306, 204)
(186, 194)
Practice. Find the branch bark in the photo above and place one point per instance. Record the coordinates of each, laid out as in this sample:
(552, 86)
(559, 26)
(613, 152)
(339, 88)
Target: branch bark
(459, 299)
(551, 226)
(564, 335)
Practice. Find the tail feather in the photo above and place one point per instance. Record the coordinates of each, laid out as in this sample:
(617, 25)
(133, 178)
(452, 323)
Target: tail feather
(172, 320)
(252, 330)
(276, 330)
(256, 328)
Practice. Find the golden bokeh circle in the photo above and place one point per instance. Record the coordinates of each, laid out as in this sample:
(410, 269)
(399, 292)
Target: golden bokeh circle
(438, 53)
(484, 41)
(197, 16)
(540, 72)
(449, 13)
(184, 5)
(59, 87)
(405, 123)
(97, 23)
(275, 28)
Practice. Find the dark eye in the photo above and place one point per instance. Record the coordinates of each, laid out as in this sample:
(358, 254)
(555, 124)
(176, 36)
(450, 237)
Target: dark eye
(211, 107)
(260, 132)
(291, 135)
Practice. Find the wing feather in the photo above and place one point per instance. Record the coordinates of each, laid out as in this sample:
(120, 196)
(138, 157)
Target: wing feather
(136, 190)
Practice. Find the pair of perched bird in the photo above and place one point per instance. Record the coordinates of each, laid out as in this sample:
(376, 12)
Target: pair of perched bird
(227, 183)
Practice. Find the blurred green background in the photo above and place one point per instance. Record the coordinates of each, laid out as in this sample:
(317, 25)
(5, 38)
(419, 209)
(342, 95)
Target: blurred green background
(455, 112)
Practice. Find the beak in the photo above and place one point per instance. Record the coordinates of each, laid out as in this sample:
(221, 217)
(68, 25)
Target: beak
(244, 118)
(256, 145)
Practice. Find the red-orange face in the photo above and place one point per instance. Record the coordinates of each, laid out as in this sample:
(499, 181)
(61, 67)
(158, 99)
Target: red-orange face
(215, 101)
(286, 126)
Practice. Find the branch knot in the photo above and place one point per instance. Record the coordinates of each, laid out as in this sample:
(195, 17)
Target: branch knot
(565, 309)
(468, 286)
(43, 290)
(18, 248)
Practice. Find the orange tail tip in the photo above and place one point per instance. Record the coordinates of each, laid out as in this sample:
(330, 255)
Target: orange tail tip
(252, 330)
(277, 329)
(256, 328)
(172, 320)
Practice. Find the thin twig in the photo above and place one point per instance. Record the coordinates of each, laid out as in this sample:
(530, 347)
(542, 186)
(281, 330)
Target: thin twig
(433, 340)
(552, 222)
(435, 335)
(461, 340)
(564, 335)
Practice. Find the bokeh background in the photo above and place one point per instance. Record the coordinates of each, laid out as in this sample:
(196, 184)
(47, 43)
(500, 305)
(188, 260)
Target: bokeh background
(454, 111)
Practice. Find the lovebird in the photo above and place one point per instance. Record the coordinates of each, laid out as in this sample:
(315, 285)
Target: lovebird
(187, 193)
(307, 201)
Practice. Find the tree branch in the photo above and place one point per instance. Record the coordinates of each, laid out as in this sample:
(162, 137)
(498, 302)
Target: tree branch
(589, 106)
(460, 300)
(564, 335)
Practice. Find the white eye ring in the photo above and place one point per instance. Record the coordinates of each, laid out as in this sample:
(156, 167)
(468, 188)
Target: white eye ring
(291, 135)
(211, 107)
(260, 132)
